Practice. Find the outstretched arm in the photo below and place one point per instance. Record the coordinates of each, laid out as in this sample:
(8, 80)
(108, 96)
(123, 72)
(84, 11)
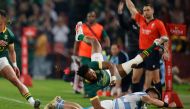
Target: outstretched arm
(96, 102)
(131, 8)
(156, 102)
(96, 47)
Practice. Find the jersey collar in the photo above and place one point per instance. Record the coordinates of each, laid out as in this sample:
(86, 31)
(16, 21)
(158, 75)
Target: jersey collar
(4, 29)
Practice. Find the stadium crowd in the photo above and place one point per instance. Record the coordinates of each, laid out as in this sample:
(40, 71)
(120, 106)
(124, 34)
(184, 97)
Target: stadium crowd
(55, 21)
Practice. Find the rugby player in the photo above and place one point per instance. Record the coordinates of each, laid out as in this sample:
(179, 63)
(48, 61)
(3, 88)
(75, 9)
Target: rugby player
(98, 74)
(129, 101)
(11, 73)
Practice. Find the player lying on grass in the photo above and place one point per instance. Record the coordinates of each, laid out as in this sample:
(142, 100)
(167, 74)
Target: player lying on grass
(10, 73)
(98, 74)
(129, 101)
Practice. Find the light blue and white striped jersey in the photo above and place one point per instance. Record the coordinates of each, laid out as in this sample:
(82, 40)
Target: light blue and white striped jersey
(129, 101)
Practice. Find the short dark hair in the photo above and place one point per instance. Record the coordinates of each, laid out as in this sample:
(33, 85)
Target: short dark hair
(150, 5)
(152, 89)
(83, 70)
(3, 13)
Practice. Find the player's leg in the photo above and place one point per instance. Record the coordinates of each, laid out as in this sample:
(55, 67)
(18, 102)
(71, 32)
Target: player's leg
(137, 74)
(136, 78)
(8, 73)
(96, 47)
(125, 68)
(153, 72)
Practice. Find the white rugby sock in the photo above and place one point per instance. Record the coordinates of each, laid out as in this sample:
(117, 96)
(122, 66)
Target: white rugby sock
(127, 65)
(31, 101)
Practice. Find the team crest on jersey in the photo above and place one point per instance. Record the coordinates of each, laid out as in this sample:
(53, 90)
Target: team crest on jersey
(3, 43)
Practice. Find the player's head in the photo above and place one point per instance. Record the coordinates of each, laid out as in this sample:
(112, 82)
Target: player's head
(91, 17)
(153, 92)
(148, 11)
(115, 49)
(87, 73)
(3, 16)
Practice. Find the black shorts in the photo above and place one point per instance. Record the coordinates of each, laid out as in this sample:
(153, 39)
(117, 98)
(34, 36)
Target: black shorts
(152, 62)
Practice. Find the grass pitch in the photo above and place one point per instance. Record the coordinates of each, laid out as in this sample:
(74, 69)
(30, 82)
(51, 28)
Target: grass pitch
(46, 90)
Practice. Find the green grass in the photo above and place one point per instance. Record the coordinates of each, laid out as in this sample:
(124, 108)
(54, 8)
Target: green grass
(46, 90)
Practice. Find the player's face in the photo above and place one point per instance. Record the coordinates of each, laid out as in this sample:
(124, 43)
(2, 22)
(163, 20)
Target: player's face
(91, 75)
(153, 94)
(148, 12)
(91, 17)
(114, 50)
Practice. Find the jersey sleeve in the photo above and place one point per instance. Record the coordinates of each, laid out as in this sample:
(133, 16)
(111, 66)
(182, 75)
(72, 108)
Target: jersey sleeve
(11, 36)
(90, 89)
(161, 28)
(138, 18)
(95, 65)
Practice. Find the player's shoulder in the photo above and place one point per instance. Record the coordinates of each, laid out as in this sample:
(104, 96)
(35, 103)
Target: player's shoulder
(99, 25)
(158, 21)
(10, 31)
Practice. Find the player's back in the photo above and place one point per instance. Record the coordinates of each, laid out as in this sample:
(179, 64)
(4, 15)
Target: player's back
(129, 101)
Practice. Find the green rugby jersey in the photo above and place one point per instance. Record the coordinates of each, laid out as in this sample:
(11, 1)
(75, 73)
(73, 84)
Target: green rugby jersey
(103, 80)
(6, 38)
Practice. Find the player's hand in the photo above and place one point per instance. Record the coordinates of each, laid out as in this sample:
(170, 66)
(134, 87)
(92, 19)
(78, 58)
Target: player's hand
(116, 91)
(172, 105)
(17, 71)
(112, 83)
(120, 7)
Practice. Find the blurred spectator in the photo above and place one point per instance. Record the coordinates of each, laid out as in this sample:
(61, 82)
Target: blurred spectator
(40, 64)
(48, 9)
(36, 18)
(118, 56)
(60, 32)
(177, 15)
(176, 78)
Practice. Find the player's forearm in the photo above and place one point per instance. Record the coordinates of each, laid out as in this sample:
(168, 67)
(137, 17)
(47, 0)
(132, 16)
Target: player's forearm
(158, 103)
(12, 56)
(96, 102)
(131, 8)
(75, 48)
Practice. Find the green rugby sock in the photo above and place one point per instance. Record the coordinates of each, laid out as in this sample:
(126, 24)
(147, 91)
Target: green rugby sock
(149, 50)
(81, 37)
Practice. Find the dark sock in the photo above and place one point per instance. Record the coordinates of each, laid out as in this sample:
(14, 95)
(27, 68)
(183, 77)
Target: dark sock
(149, 50)
(159, 88)
(136, 87)
(81, 37)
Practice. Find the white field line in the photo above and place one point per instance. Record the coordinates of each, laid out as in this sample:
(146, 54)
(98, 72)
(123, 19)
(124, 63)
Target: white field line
(15, 100)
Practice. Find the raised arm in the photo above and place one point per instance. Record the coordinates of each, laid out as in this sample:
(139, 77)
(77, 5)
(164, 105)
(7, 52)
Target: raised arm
(122, 23)
(131, 8)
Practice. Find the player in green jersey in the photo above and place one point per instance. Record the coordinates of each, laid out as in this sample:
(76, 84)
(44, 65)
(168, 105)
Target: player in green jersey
(7, 49)
(99, 73)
